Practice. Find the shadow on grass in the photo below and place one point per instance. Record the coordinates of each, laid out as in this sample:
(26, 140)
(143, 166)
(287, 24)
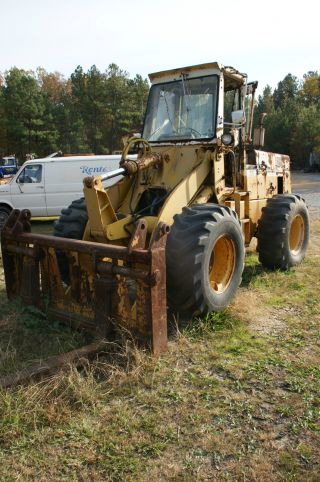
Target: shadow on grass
(252, 270)
(197, 328)
(250, 273)
(27, 337)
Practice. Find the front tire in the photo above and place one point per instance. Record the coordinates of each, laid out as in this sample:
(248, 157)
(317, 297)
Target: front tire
(283, 232)
(4, 214)
(71, 224)
(205, 259)
(73, 220)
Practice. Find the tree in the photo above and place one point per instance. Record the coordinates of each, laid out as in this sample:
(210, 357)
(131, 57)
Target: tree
(309, 93)
(265, 101)
(3, 136)
(118, 105)
(293, 122)
(286, 90)
(24, 108)
(138, 88)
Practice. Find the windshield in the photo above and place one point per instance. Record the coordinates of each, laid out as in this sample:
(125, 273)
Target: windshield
(6, 161)
(183, 109)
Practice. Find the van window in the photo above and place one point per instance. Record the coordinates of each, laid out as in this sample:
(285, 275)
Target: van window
(7, 161)
(31, 173)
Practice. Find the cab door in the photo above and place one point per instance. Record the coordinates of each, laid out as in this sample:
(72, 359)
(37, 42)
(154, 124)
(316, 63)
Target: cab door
(28, 190)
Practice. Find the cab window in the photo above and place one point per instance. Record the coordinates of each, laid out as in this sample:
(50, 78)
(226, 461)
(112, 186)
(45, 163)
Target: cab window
(182, 109)
(231, 103)
(31, 174)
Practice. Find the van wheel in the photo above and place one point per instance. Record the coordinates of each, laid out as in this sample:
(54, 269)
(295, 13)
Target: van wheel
(204, 259)
(283, 232)
(71, 224)
(4, 214)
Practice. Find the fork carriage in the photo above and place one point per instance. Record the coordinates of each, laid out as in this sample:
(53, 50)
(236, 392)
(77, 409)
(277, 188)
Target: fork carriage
(100, 303)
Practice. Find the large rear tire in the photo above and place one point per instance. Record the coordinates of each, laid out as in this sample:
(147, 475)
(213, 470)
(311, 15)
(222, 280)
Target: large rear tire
(205, 259)
(283, 232)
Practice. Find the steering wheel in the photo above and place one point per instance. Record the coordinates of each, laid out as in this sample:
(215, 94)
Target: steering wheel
(131, 142)
(194, 133)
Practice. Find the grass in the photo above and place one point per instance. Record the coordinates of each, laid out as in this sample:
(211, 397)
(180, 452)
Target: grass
(26, 336)
(235, 398)
(42, 227)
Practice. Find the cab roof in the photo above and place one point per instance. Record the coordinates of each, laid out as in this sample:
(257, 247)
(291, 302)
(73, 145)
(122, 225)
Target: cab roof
(232, 76)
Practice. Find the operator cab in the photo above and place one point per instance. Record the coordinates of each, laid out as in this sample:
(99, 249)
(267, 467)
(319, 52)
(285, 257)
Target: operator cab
(186, 104)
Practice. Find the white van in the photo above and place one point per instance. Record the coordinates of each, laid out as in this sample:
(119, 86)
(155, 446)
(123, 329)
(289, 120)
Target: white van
(45, 186)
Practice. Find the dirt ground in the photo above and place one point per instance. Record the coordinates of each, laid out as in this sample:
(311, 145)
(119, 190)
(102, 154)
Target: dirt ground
(308, 185)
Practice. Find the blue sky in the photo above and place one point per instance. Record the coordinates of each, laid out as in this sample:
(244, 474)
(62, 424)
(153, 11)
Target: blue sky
(265, 39)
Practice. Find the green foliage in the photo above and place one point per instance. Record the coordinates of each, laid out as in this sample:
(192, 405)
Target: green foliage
(286, 90)
(23, 108)
(293, 121)
(43, 112)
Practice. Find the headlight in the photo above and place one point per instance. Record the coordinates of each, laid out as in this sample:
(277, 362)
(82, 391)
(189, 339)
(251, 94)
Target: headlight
(227, 139)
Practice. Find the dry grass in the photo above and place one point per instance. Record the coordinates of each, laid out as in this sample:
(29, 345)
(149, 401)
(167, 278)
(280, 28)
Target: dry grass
(235, 398)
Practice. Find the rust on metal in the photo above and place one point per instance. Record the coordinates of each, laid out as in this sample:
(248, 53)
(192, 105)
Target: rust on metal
(112, 269)
(85, 247)
(30, 281)
(26, 251)
(150, 160)
(52, 365)
(152, 300)
(105, 288)
(139, 236)
(19, 221)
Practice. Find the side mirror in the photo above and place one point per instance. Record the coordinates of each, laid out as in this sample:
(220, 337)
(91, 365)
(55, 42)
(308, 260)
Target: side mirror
(259, 132)
(20, 180)
(258, 137)
(238, 117)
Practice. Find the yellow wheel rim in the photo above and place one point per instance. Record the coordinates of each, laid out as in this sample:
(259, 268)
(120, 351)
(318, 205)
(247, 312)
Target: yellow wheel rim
(296, 235)
(222, 264)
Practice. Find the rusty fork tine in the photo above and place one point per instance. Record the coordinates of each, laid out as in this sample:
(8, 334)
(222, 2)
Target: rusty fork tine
(32, 272)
